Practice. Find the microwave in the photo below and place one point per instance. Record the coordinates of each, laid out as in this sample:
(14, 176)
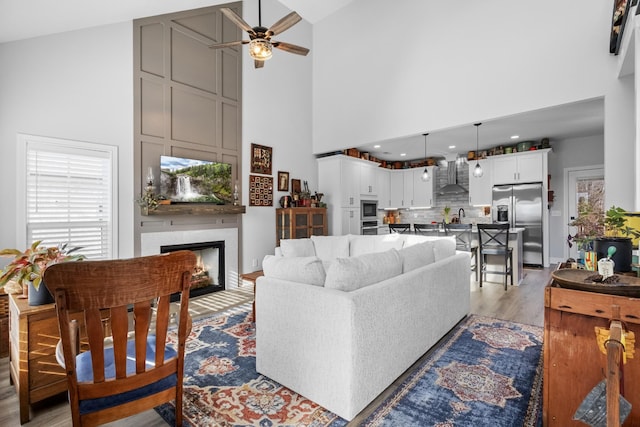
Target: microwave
(368, 210)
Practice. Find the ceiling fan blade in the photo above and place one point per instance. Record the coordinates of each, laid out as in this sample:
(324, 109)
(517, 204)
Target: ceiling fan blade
(291, 48)
(228, 44)
(284, 24)
(258, 64)
(236, 19)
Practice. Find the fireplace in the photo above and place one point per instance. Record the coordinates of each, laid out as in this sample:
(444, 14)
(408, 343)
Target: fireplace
(209, 275)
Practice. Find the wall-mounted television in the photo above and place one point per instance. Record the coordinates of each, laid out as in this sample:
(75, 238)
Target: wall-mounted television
(184, 180)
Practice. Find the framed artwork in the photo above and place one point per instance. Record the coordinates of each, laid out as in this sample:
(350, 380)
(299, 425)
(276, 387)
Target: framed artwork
(260, 190)
(283, 181)
(261, 157)
(620, 12)
(295, 186)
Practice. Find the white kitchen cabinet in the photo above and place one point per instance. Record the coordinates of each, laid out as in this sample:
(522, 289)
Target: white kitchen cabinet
(422, 190)
(519, 167)
(480, 189)
(384, 188)
(407, 188)
(368, 180)
(350, 223)
(396, 188)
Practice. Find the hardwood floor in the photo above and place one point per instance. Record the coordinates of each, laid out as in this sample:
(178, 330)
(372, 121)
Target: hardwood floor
(523, 303)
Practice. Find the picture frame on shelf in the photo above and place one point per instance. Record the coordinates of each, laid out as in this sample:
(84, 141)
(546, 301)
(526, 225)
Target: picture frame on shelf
(261, 159)
(283, 181)
(296, 186)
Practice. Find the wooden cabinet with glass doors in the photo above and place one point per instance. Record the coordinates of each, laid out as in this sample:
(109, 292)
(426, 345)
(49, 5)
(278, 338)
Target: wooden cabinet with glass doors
(300, 223)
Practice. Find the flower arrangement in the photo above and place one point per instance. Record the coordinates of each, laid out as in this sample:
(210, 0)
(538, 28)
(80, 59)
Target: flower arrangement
(29, 265)
(148, 201)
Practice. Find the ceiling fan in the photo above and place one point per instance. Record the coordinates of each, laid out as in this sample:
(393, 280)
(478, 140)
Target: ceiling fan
(260, 43)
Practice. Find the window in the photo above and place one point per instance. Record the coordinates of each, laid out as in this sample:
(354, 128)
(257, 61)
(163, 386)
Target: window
(68, 194)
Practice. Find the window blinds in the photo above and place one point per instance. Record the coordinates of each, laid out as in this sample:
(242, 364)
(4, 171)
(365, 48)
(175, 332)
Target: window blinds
(69, 198)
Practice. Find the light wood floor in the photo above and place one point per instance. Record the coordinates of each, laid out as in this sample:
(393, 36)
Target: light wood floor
(524, 304)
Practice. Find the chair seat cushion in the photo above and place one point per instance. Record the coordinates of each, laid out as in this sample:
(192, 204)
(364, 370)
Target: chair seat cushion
(84, 372)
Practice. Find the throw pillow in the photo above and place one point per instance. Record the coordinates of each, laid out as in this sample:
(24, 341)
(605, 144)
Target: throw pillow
(297, 248)
(349, 274)
(444, 248)
(329, 248)
(307, 270)
(417, 256)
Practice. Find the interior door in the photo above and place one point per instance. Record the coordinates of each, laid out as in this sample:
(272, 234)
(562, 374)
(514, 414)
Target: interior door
(584, 185)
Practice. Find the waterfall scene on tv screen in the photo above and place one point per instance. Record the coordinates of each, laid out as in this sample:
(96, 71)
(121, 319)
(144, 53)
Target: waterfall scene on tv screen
(195, 181)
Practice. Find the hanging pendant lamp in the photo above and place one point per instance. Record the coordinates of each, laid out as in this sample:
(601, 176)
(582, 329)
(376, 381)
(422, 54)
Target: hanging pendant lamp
(425, 174)
(477, 171)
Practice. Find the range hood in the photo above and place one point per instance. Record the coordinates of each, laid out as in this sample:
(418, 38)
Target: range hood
(452, 186)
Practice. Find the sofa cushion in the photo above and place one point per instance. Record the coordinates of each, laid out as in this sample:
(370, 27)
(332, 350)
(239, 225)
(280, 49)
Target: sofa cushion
(329, 248)
(444, 248)
(297, 248)
(360, 245)
(307, 270)
(417, 256)
(349, 274)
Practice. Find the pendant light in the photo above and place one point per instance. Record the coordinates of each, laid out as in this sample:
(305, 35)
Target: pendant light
(477, 171)
(425, 174)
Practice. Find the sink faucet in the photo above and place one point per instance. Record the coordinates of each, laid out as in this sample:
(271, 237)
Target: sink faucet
(461, 215)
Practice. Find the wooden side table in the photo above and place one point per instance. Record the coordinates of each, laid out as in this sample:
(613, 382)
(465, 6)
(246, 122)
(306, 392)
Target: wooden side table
(33, 335)
(251, 278)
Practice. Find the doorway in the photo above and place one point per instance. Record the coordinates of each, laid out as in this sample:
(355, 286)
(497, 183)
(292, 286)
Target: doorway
(584, 187)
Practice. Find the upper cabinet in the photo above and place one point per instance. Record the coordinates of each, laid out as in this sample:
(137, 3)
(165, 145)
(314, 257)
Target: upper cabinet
(407, 190)
(422, 190)
(480, 189)
(519, 167)
(396, 188)
(368, 179)
(384, 187)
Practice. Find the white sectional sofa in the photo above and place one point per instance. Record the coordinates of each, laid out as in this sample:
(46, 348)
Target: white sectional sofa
(339, 318)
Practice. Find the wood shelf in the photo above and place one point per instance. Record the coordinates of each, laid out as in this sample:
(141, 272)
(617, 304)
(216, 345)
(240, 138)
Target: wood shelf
(198, 209)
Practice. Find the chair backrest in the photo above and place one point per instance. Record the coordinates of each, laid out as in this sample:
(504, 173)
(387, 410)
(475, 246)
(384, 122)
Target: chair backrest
(426, 229)
(493, 236)
(399, 228)
(462, 233)
(112, 295)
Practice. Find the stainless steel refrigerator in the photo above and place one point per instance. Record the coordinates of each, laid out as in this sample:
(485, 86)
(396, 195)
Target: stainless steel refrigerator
(524, 207)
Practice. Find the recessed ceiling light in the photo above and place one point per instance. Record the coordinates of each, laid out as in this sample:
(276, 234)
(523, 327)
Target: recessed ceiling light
(403, 154)
(515, 136)
(376, 146)
(451, 147)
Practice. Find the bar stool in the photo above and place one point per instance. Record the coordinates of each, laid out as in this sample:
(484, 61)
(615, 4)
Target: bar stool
(493, 239)
(464, 242)
(400, 228)
(427, 229)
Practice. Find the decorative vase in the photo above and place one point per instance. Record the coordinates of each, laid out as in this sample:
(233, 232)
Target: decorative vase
(40, 296)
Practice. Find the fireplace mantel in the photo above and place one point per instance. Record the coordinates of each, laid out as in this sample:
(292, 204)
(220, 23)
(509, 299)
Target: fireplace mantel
(197, 209)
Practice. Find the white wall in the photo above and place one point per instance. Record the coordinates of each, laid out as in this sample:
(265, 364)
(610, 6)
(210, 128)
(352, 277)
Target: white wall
(75, 85)
(277, 113)
(568, 153)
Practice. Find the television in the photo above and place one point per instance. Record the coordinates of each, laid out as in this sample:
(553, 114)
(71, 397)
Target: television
(184, 180)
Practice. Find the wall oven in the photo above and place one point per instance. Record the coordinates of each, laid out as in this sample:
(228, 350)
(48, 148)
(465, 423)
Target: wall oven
(368, 217)
(369, 227)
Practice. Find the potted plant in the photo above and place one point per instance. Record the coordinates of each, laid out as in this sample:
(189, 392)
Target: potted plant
(618, 235)
(27, 267)
(148, 201)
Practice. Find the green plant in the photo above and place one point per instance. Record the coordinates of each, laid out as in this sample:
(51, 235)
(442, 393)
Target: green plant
(615, 221)
(446, 211)
(148, 200)
(29, 265)
(590, 225)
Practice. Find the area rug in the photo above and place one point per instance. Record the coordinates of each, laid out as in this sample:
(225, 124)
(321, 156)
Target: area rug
(485, 372)
(222, 387)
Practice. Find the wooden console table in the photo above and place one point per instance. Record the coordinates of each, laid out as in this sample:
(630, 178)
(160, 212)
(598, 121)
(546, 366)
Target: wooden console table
(573, 363)
(33, 335)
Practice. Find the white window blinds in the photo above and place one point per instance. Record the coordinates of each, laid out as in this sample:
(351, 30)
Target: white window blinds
(69, 195)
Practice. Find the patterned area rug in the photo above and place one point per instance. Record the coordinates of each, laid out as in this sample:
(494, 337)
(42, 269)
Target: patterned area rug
(222, 387)
(486, 372)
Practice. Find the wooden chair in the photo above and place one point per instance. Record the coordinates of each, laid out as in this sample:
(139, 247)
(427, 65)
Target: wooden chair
(493, 239)
(400, 228)
(464, 241)
(132, 375)
(427, 229)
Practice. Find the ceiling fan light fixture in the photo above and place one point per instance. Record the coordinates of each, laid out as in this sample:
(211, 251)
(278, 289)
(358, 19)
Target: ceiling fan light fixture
(477, 171)
(260, 49)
